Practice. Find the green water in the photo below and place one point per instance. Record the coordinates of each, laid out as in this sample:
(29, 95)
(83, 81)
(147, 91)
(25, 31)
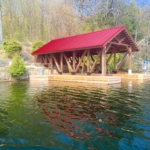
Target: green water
(81, 117)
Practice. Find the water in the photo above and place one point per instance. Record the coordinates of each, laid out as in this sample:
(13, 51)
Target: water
(74, 116)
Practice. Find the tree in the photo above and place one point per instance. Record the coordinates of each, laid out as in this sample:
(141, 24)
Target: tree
(1, 29)
(17, 67)
(37, 44)
(12, 47)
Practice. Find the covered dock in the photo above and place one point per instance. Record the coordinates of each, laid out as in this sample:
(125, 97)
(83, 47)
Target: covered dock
(96, 48)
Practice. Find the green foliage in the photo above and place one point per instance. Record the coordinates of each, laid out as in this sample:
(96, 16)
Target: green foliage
(36, 45)
(12, 47)
(1, 46)
(110, 67)
(130, 20)
(17, 67)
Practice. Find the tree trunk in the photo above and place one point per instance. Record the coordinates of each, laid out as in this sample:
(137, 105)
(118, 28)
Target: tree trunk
(1, 28)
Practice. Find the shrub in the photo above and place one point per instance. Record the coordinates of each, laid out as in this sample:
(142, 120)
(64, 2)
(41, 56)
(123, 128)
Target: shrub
(17, 67)
(36, 45)
(12, 47)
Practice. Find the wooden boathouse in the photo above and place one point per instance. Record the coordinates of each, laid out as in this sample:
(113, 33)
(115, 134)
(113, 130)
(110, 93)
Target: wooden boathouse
(93, 46)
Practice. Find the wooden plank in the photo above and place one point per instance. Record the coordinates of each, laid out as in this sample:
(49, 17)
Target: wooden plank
(122, 61)
(103, 61)
(56, 63)
(88, 61)
(95, 62)
(81, 59)
(67, 61)
(61, 62)
(74, 61)
(120, 44)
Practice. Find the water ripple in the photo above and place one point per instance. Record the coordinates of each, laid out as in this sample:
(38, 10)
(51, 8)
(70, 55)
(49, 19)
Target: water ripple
(75, 117)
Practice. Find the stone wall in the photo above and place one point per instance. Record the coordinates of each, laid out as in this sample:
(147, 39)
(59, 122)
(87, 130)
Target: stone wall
(5, 76)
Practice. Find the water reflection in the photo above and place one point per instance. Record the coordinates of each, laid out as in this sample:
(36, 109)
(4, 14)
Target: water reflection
(76, 116)
(90, 114)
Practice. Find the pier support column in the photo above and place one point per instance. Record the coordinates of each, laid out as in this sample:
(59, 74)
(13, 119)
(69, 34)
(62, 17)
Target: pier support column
(61, 63)
(114, 61)
(51, 64)
(130, 61)
(88, 62)
(74, 62)
(103, 62)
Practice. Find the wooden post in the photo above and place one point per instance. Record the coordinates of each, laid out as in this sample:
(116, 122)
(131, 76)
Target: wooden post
(67, 61)
(100, 67)
(88, 62)
(103, 62)
(80, 60)
(51, 64)
(114, 61)
(56, 63)
(95, 62)
(74, 61)
(130, 61)
(61, 63)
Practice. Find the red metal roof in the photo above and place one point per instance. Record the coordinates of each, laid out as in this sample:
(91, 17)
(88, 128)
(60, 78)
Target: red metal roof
(82, 41)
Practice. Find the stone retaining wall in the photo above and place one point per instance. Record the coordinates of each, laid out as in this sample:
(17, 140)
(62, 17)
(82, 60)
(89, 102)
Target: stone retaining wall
(5, 76)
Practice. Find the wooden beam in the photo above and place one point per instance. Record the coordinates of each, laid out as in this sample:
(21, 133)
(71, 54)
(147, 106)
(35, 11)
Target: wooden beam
(61, 63)
(37, 58)
(74, 61)
(122, 61)
(67, 61)
(120, 44)
(51, 63)
(40, 59)
(77, 60)
(95, 62)
(100, 67)
(56, 63)
(45, 59)
(120, 41)
(81, 59)
(130, 61)
(128, 50)
(115, 61)
(109, 58)
(107, 48)
(103, 61)
(92, 58)
(88, 61)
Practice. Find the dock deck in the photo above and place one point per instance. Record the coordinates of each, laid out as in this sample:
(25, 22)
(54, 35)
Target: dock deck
(78, 78)
(134, 76)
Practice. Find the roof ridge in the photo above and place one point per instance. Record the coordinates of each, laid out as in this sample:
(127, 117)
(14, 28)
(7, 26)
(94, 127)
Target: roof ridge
(89, 32)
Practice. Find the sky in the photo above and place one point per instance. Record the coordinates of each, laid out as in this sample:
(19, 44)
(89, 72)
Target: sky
(143, 3)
